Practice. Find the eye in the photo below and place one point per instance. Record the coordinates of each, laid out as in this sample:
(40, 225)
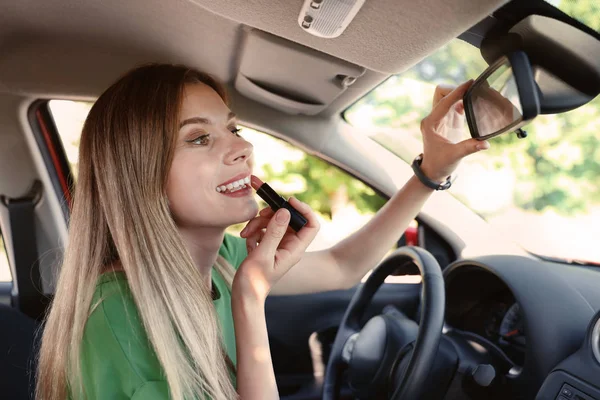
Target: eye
(236, 131)
(202, 140)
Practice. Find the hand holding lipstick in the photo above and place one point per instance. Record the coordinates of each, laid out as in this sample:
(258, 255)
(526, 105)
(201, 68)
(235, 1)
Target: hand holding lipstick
(275, 201)
(255, 229)
(303, 220)
(273, 246)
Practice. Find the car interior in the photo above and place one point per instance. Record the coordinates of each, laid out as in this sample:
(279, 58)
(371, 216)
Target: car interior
(486, 320)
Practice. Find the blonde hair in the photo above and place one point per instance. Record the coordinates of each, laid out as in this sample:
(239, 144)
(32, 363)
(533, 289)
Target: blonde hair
(120, 213)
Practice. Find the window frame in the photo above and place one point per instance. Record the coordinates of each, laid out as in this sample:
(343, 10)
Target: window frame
(4, 250)
(53, 153)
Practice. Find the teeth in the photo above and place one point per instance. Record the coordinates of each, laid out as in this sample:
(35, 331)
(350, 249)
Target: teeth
(237, 188)
(234, 186)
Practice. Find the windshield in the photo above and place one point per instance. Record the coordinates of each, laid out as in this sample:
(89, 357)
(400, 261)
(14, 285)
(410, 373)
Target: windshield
(542, 191)
(584, 11)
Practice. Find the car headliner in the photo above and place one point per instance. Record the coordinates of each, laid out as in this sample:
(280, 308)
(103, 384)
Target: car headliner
(73, 48)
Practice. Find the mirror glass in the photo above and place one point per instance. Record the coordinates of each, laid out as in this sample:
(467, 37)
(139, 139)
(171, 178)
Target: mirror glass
(495, 102)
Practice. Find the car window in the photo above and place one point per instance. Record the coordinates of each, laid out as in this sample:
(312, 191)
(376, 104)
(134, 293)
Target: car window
(542, 191)
(69, 117)
(342, 202)
(5, 275)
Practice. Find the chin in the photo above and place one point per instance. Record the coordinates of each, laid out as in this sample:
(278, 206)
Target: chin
(252, 211)
(246, 212)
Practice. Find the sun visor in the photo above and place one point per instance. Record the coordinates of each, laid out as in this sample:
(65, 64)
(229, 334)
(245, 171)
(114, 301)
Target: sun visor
(290, 77)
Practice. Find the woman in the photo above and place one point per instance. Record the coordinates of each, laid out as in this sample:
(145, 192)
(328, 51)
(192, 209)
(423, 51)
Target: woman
(151, 288)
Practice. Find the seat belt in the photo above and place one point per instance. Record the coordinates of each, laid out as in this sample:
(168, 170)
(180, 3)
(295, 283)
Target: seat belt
(29, 296)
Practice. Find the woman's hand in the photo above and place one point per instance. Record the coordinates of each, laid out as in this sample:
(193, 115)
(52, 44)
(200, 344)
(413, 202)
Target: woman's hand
(441, 129)
(273, 248)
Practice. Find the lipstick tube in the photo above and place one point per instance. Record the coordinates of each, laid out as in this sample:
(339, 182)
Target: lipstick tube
(275, 201)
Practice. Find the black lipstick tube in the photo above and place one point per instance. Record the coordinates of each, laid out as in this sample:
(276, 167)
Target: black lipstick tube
(275, 201)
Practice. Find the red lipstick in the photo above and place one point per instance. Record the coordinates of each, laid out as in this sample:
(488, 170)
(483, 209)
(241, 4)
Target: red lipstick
(275, 201)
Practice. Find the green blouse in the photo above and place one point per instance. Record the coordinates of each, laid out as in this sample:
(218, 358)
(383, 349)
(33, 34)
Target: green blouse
(117, 359)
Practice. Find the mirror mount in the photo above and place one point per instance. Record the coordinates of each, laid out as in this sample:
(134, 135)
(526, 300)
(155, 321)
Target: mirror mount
(564, 59)
(521, 134)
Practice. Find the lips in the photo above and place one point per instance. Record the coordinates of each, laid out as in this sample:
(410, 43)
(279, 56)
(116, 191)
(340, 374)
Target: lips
(238, 182)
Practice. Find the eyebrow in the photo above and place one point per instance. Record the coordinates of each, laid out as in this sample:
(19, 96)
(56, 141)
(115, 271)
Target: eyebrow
(202, 120)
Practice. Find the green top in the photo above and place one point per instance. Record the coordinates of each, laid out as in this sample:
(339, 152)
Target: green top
(117, 360)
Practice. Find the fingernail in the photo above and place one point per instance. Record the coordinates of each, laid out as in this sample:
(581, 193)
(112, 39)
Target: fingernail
(482, 146)
(282, 215)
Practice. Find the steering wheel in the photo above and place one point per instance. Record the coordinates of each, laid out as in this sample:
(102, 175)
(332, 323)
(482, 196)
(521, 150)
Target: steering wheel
(390, 357)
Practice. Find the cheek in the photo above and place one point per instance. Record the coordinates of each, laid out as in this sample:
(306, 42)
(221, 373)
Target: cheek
(194, 201)
(187, 188)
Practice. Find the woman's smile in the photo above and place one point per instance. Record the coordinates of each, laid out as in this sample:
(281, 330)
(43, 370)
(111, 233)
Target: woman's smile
(236, 186)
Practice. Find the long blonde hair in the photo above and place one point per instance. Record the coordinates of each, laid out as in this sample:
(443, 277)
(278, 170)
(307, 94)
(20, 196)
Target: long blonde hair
(120, 213)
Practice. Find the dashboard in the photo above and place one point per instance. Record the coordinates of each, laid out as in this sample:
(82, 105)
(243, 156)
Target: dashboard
(533, 313)
(499, 319)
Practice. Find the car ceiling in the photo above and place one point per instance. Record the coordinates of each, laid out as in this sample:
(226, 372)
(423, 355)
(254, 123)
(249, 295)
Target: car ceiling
(75, 49)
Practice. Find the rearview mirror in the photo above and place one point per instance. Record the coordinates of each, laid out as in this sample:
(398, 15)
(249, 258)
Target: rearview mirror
(503, 98)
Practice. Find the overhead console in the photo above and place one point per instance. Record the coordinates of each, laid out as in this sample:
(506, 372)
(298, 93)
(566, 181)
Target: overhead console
(290, 77)
(578, 376)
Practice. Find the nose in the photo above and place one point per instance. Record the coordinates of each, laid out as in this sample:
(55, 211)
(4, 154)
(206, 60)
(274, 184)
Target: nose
(240, 151)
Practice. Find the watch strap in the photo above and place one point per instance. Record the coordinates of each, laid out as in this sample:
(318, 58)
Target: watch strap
(416, 166)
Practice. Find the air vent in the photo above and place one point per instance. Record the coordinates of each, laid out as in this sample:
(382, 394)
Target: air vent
(328, 18)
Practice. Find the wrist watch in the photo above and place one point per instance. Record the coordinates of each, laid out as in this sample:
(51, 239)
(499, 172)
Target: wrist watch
(416, 166)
